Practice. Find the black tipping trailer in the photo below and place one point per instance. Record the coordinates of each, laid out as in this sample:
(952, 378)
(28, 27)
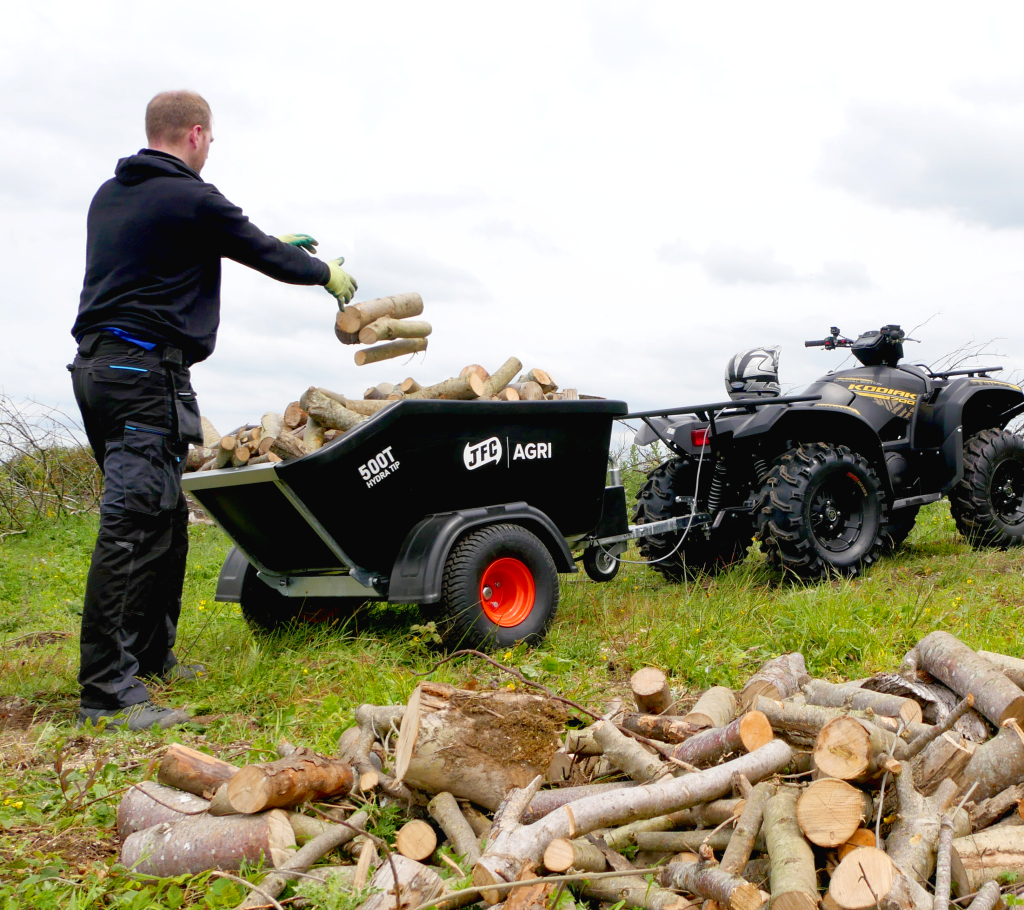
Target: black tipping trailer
(472, 507)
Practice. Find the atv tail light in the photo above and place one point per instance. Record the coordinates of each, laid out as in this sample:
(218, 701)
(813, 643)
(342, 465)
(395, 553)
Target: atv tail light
(700, 438)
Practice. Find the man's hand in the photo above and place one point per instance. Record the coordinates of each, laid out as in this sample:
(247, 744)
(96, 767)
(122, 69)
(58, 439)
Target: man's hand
(342, 285)
(303, 241)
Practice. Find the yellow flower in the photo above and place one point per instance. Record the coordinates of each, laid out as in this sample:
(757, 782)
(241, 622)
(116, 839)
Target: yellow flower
(201, 607)
(18, 804)
(203, 602)
(304, 670)
(507, 655)
(970, 581)
(7, 802)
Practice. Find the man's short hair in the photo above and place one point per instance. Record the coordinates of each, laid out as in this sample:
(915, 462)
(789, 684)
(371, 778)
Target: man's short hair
(171, 115)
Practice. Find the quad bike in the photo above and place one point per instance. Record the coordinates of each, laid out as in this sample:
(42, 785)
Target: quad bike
(829, 479)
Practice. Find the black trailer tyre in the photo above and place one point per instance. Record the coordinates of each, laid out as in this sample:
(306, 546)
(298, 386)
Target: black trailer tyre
(898, 525)
(500, 587)
(698, 553)
(599, 564)
(822, 511)
(988, 504)
(267, 611)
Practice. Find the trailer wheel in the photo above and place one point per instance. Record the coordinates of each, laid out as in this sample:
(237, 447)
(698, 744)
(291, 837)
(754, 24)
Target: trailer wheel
(500, 587)
(988, 504)
(266, 611)
(599, 564)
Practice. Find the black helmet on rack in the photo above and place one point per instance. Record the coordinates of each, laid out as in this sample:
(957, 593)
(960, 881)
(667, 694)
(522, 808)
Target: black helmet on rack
(753, 374)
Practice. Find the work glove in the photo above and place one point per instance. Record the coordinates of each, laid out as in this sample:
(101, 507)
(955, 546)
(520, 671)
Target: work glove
(303, 241)
(341, 284)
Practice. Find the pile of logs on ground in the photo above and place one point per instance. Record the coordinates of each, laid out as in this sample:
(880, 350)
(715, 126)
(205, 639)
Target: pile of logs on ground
(898, 792)
(320, 416)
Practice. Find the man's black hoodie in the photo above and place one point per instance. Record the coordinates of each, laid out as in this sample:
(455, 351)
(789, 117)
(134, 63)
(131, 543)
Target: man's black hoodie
(156, 235)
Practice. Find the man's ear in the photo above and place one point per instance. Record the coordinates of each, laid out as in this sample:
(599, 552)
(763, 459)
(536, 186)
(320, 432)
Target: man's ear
(194, 134)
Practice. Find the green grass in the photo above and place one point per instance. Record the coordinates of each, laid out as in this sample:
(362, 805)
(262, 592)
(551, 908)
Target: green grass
(58, 849)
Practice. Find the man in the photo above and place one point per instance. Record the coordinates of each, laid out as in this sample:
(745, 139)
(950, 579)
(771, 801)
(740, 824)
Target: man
(149, 309)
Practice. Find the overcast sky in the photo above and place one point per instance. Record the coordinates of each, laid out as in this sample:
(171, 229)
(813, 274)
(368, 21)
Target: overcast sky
(622, 193)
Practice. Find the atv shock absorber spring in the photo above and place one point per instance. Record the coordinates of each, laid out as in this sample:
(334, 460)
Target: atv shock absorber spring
(717, 490)
(761, 469)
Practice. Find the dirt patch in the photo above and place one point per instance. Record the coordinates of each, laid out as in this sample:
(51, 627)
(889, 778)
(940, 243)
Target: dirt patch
(75, 846)
(511, 727)
(37, 639)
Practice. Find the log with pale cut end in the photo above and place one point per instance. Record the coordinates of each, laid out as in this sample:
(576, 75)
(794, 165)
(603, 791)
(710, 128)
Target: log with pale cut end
(198, 456)
(444, 809)
(400, 306)
(563, 854)
(507, 394)
(710, 882)
(327, 412)
(314, 435)
(271, 423)
(192, 771)
(803, 723)
(459, 388)
(850, 695)
(777, 679)
(715, 708)
(379, 392)
(946, 756)
(386, 328)
(542, 378)
(266, 441)
(746, 733)
(862, 837)
(409, 385)
(650, 691)
(987, 856)
(627, 754)
(287, 782)
(708, 815)
(294, 416)
(417, 884)
(989, 811)
(912, 840)
(240, 456)
(501, 377)
(849, 748)
(343, 336)
(204, 842)
(527, 391)
(149, 803)
(288, 446)
(690, 841)
(868, 880)
(741, 844)
(794, 883)
(666, 728)
(416, 840)
(951, 662)
(225, 451)
(402, 348)
(830, 811)
(475, 368)
(997, 764)
(219, 804)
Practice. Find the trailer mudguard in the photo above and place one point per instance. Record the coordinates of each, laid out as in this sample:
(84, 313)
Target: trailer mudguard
(232, 573)
(416, 578)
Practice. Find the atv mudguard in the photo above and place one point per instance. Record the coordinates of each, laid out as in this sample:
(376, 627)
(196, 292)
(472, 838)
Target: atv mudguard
(974, 403)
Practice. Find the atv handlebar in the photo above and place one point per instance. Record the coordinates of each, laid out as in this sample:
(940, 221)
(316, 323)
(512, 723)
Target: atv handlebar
(817, 344)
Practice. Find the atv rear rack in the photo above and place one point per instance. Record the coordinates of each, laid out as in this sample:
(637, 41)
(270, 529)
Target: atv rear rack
(704, 411)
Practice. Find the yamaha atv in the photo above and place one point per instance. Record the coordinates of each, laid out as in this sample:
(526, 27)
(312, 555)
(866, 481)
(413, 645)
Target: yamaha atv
(831, 478)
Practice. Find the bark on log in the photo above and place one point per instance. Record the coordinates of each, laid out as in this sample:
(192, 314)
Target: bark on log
(922, 740)
(400, 306)
(1011, 667)
(339, 333)
(990, 897)
(634, 892)
(850, 695)
(240, 456)
(477, 745)
(741, 844)
(409, 385)
(997, 764)
(985, 856)
(446, 812)
(988, 811)
(211, 438)
(288, 782)
(650, 691)
(192, 771)
(314, 435)
(225, 451)
(417, 884)
(710, 882)
(848, 748)
(294, 416)
(307, 828)
(911, 842)
(509, 850)
(794, 883)
(139, 808)
(460, 388)
(542, 378)
(288, 446)
(563, 854)
(547, 801)
(203, 842)
(198, 456)
(945, 757)
(666, 728)
(830, 811)
(390, 351)
(627, 754)
(416, 840)
(690, 841)
(867, 879)
(501, 377)
(386, 328)
(527, 391)
(777, 679)
(708, 815)
(328, 412)
(715, 708)
(942, 864)
(746, 733)
(949, 660)
(803, 723)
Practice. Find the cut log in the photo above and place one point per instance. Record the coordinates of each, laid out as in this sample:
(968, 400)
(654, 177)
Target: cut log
(547, 801)
(445, 811)
(416, 840)
(211, 438)
(327, 412)
(475, 368)
(794, 883)
(1011, 667)
(149, 803)
(989, 811)
(990, 897)
(225, 451)
(708, 815)
(803, 723)
(501, 377)
(542, 378)
(314, 435)
(946, 756)
(203, 842)
(386, 328)
(287, 782)
(777, 679)
(389, 351)
(868, 880)
(741, 844)
(339, 333)
(359, 315)
(417, 884)
(294, 416)
(463, 388)
(918, 744)
(631, 891)
(746, 733)
(509, 850)
(409, 385)
(830, 811)
(307, 828)
(710, 882)
(912, 841)
(288, 446)
(477, 745)
(479, 822)
(851, 749)
(862, 837)
(715, 708)
(192, 771)
(563, 854)
(690, 841)
(198, 456)
(627, 754)
(240, 456)
(527, 391)
(965, 672)
(987, 856)
(650, 691)
(378, 392)
(666, 728)
(507, 394)
(997, 764)
(367, 859)
(850, 695)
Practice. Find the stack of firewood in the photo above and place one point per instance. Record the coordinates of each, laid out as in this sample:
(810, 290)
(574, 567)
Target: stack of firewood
(320, 415)
(883, 793)
(384, 319)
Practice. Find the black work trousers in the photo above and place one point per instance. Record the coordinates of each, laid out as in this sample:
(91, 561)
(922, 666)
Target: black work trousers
(140, 414)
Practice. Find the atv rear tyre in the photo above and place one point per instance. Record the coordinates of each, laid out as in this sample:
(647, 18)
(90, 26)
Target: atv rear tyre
(500, 587)
(268, 611)
(698, 554)
(821, 512)
(898, 525)
(988, 504)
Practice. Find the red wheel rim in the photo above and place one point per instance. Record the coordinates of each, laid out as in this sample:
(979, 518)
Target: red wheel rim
(507, 592)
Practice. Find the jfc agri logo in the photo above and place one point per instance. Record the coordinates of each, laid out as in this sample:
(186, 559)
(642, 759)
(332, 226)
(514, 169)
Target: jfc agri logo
(477, 454)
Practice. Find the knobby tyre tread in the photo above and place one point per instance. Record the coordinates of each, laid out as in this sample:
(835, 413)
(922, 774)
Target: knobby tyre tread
(978, 518)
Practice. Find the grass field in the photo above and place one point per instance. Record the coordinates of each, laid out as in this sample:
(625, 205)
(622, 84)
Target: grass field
(59, 788)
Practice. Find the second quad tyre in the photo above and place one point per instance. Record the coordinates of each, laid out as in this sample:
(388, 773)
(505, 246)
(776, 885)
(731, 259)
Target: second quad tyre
(822, 511)
(988, 504)
(699, 552)
(500, 587)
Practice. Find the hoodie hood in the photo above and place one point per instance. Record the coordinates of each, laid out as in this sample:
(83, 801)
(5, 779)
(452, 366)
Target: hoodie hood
(149, 163)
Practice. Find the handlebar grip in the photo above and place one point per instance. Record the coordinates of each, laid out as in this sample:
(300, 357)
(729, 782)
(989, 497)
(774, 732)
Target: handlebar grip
(816, 344)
